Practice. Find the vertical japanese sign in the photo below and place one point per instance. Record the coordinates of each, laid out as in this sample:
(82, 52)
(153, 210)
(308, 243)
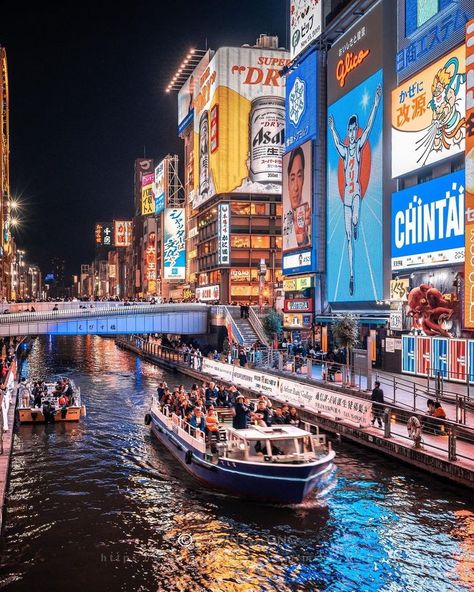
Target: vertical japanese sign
(103, 234)
(122, 233)
(148, 201)
(150, 263)
(306, 23)
(160, 186)
(428, 115)
(174, 249)
(469, 148)
(223, 232)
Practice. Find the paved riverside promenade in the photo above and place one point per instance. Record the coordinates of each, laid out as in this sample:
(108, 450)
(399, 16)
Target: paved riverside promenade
(433, 456)
(5, 457)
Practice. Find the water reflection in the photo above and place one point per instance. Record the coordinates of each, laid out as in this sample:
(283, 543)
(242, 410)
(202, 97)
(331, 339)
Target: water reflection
(101, 505)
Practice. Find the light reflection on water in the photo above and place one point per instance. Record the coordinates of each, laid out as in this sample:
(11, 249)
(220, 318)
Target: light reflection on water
(102, 506)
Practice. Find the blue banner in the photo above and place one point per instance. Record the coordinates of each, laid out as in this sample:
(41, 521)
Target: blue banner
(440, 357)
(428, 223)
(301, 93)
(408, 354)
(174, 248)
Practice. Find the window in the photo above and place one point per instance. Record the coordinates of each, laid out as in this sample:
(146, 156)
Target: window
(279, 209)
(278, 242)
(419, 12)
(249, 209)
(260, 242)
(240, 242)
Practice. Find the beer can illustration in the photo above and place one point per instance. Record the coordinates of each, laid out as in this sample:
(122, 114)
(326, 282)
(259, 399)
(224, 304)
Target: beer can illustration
(267, 138)
(204, 155)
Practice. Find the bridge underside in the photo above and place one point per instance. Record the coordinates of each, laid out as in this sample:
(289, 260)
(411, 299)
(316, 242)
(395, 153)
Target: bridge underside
(178, 322)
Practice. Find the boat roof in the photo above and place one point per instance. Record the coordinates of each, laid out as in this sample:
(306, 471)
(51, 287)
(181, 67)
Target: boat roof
(266, 433)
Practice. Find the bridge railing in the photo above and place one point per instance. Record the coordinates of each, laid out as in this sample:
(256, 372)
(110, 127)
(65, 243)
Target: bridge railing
(87, 313)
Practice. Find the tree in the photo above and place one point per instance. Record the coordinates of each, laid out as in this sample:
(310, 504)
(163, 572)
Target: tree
(272, 323)
(345, 330)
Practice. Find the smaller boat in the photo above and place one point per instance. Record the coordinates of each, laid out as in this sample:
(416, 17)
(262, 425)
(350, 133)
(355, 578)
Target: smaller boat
(280, 464)
(53, 406)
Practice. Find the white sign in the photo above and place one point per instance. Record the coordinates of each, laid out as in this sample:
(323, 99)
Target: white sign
(396, 320)
(217, 369)
(207, 293)
(390, 345)
(223, 233)
(306, 17)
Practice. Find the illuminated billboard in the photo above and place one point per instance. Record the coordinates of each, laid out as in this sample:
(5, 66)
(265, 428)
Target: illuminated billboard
(354, 188)
(174, 249)
(239, 120)
(160, 186)
(300, 262)
(223, 232)
(469, 160)
(428, 223)
(104, 234)
(148, 201)
(122, 233)
(297, 218)
(355, 55)
(306, 23)
(428, 115)
(186, 93)
(301, 90)
(150, 266)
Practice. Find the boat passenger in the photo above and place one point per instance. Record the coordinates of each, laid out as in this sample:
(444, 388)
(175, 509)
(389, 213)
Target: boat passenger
(212, 421)
(263, 414)
(241, 413)
(278, 418)
(24, 393)
(293, 418)
(211, 394)
(285, 411)
(197, 421)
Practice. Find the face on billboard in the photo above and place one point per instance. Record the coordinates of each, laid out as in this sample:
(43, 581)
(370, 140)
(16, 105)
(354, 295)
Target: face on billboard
(428, 223)
(239, 120)
(354, 191)
(428, 115)
(297, 204)
(174, 250)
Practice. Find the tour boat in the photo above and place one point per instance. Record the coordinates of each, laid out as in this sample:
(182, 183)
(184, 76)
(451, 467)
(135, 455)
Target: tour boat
(50, 410)
(281, 464)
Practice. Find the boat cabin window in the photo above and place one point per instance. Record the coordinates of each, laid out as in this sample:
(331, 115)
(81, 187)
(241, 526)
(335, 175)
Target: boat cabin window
(283, 447)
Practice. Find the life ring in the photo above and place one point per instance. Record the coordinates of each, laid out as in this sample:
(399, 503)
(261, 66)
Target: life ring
(414, 428)
(147, 419)
(188, 457)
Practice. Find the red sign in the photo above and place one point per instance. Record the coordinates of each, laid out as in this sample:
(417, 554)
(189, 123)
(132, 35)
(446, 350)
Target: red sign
(299, 305)
(423, 356)
(457, 357)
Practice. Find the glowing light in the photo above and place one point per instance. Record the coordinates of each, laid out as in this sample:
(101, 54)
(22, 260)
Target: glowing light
(14, 205)
(14, 222)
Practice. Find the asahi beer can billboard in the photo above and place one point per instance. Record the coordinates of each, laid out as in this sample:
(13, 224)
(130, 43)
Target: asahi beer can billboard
(239, 120)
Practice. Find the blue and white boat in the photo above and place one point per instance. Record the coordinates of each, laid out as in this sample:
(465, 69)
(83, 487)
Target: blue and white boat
(281, 464)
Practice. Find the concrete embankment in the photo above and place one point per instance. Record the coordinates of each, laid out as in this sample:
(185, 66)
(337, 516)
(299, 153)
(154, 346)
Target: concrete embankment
(433, 456)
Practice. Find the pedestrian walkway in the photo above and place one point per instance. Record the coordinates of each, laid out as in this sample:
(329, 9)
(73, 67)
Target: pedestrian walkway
(7, 437)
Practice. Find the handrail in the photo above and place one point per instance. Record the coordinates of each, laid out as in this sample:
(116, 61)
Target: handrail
(222, 310)
(258, 327)
(58, 315)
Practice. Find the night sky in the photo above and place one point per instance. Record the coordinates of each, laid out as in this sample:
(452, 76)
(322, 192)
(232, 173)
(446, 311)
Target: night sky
(87, 97)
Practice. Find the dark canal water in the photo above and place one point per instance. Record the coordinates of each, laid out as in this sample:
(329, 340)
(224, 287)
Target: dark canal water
(102, 506)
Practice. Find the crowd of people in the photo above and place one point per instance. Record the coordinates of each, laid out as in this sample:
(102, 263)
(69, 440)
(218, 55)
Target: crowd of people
(198, 407)
(37, 395)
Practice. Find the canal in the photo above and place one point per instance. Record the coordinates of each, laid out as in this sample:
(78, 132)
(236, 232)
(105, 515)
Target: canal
(102, 506)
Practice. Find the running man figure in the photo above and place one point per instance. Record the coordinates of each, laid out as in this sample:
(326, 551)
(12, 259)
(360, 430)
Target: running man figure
(350, 154)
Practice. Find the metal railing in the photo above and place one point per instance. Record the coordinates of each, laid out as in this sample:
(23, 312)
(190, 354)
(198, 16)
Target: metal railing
(396, 416)
(80, 313)
(257, 326)
(223, 311)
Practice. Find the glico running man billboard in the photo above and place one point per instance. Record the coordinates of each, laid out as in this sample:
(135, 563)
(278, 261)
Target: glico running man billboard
(354, 192)
(428, 115)
(428, 223)
(239, 120)
(174, 248)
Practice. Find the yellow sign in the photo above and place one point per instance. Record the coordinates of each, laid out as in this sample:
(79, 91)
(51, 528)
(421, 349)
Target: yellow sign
(399, 289)
(297, 284)
(428, 115)
(148, 199)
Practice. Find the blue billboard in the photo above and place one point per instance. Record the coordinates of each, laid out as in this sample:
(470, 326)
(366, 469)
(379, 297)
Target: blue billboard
(301, 93)
(354, 194)
(408, 354)
(440, 356)
(428, 223)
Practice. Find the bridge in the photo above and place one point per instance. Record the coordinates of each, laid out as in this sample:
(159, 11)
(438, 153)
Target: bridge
(106, 318)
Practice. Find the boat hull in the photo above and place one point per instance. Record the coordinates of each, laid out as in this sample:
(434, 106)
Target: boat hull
(28, 415)
(268, 482)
